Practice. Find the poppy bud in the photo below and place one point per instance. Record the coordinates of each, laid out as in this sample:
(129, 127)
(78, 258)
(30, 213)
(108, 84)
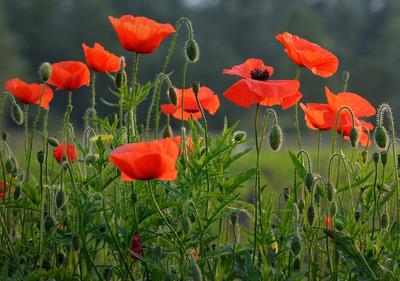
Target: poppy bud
(357, 215)
(4, 136)
(9, 166)
(17, 192)
(333, 208)
(61, 258)
(364, 155)
(60, 199)
(45, 71)
(75, 242)
(385, 221)
(354, 137)
(301, 205)
(311, 214)
(91, 158)
(168, 133)
(53, 142)
(296, 264)
(49, 223)
(107, 273)
(239, 136)
(384, 157)
(173, 96)
(195, 271)
(275, 137)
(330, 191)
(120, 79)
(296, 245)
(192, 51)
(375, 157)
(381, 136)
(309, 181)
(17, 114)
(40, 157)
(234, 218)
(196, 87)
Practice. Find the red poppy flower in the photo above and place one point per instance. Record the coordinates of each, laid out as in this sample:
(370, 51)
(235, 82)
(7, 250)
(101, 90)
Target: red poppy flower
(318, 116)
(68, 151)
(328, 222)
(136, 247)
(140, 34)
(147, 160)
(29, 93)
(255, 87)
(208, 101)
(3, 192)
(100, 60)
(319, 61)
(69, 75)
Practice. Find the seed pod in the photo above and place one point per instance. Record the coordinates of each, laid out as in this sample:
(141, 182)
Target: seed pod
(296, 264)
(61, 258)
(196, 87)
(385, 221)
(357, 215)
(17, 192)
(354, 137)
(40, 157)
(91, 158)
(195, 271)
(4, 136)
(168, 133)
(45, 71)
(120, 79)
(364, 155)
(384, 157)
(16, 114)
(234, 218)
(381, 136)
(333, 209)
(60, 199)
(311, 214)
(49, 223)
(9, 166)
(173, 97)
(301, 205)
(296, 245)
(330, 191)
(309, 181)
(375, 157)
(75, 242)
(186, 225)
(53, 142)
(107, 273)
(192, 51)
(275, 137)
(239, 136)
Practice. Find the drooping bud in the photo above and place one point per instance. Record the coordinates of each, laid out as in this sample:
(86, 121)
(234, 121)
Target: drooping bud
(120, 79)
(45, 71)
(4, 136)
(49, 223)
(234, 218)
(364, 155)
(53, 142)
(239, 135)
(385, 221)
(381, 136)
(309, 181)
(40, 157)
(311, 214)
(275, 137)
(296, 244)
(333, 209)
(196, 87)
(330, 191)
(192, 51)
(173, 97)
(384, 157)
(16, 114)
(168, 133)
(286, 193)
(75, 243)
(60, 199)
(354, 137)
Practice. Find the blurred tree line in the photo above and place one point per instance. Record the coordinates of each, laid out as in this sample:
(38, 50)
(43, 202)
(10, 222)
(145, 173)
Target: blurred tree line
(364, 34)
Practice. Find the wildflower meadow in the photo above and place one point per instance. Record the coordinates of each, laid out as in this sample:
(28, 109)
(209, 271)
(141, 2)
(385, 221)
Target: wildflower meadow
(148, 198)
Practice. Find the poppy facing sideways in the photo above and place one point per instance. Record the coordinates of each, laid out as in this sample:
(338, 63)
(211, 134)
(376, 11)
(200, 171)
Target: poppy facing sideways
(207, 99)
(69, 75)
(67, 151)
(256, 86)
(100, 60)
(29, 93)
(147, 160)
(140, 34)
(302, 52)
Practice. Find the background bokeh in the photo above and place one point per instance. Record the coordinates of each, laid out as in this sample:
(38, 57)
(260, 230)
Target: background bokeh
(364, 34)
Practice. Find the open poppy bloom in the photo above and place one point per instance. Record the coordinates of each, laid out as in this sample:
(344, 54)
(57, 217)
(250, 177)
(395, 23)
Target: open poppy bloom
(65, 151)
(3, 191)
(147, 160)
(140, 34)
(207, 99)
(29, 93)
(256, 86)
(136, 247)
(302, 52)
(100, 60)
(323, 116)
(69, 75)
(328, 222)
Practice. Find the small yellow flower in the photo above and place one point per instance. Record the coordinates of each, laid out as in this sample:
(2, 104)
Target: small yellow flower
(102, 138)
(274, 246)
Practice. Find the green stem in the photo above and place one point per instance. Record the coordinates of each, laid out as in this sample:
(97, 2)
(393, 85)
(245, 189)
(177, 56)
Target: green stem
(296, 113)
(256, 185)
(318, 149)
(132, 99)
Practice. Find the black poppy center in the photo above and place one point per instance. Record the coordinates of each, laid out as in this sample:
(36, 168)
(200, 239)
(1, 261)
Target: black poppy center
(258, 74)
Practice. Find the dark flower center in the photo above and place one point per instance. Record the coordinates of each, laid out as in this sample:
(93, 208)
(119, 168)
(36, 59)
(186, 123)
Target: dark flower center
(258, 74)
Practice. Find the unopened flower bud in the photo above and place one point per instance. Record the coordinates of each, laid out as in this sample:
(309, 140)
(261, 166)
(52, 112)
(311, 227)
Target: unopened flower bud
(385, 221)
(45, 71)
(364, 155)
(375, 158)
(234, 218)
(381, 136)
(354, 137)
(239, 135)
(17, 114)
(53, 142)
(49, 223)
(173, 96)
(357, 215)
(60, 199)
(309, 181)
(296, 244)
(196, 87)
(192, 51)
(40, 157)
(301, 205)
(17, 192)
(384, 157)
(275, 137)
(168, 133)
(91, 158)
(311, 214)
